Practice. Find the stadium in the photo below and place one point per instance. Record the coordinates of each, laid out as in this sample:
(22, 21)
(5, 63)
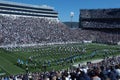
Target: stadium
(36, 45)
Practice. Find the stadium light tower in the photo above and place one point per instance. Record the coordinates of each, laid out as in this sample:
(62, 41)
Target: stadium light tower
(71, 16)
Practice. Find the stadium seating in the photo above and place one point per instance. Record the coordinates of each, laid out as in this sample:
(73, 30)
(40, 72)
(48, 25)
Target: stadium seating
(30, 30)
(96, 13)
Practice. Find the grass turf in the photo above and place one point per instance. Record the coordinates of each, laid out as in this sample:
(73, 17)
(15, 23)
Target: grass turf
(52, 57)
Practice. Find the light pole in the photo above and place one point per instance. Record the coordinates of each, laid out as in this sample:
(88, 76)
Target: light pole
(71, 16)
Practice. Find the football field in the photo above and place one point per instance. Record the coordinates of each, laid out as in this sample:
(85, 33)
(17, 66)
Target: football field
(57, 57)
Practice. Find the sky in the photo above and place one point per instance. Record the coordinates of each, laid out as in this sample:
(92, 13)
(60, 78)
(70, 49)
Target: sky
(65, 7)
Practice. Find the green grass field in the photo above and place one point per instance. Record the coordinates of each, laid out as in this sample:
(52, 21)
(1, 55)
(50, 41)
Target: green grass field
(55, 57)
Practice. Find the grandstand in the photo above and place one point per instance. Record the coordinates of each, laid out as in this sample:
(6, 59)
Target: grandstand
(22, 24)
(29, 25)
(100, 18)
(103, 24)
(13, 8)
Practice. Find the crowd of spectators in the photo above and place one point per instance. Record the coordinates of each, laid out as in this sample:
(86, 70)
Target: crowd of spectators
(16, 30)
(96, 13)
(99, 36)
(29, 30)
(107, 69)
(101, 25)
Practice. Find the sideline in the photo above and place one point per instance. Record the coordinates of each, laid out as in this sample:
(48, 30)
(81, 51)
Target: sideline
(85, 62)
(92, 61)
